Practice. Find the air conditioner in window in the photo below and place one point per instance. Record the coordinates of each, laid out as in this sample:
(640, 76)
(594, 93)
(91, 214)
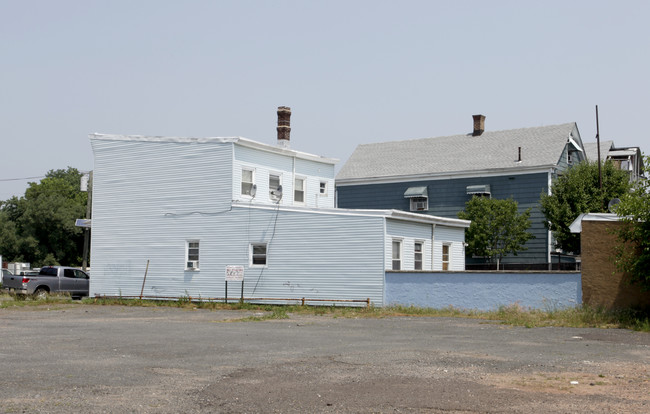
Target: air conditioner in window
(193, 264)
(419, 205)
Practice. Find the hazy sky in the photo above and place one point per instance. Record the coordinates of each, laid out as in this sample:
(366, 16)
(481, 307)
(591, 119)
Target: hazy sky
(352, 71)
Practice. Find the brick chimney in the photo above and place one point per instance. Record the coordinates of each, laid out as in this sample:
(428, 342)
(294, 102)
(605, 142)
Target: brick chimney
(284, 126)
(479, 125)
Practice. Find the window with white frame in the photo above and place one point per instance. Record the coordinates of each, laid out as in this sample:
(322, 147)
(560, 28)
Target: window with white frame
(248, 182)
(445, 256)
(323, 188)
(299, 190)
(275, 187)
(419, 203)
(192, 255)
(397, 255)
(417, 255)
(258, 254)
(418, 198)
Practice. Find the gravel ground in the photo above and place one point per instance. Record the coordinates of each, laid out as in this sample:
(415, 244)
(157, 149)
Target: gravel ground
(111, 359)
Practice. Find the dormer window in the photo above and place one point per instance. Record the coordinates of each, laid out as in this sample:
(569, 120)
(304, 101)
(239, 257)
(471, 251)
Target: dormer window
(418, 198)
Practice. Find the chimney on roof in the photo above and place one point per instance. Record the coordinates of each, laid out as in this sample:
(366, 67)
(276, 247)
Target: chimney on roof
(284, 126)
(479, 125)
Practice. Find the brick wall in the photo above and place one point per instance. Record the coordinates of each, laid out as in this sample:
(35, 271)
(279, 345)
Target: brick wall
(602, 285)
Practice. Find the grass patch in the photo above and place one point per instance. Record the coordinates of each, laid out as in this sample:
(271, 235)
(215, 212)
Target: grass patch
(578, 317)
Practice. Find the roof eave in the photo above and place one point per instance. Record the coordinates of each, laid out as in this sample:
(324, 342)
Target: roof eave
(446, 175)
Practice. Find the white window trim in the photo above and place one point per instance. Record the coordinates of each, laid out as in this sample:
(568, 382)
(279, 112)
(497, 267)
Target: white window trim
(241, 181)
(266, 255)
(272, 198)
(187, 255)
(304, 190)
(442, 256)
(413, 201)
(320, 186)
(400, 252)
(415, 252)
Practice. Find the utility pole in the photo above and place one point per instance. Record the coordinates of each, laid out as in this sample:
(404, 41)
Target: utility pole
(600, 174)
(84, 263)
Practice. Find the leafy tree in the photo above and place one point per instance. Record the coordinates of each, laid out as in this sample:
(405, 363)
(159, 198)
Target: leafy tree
(497, 228)
(577, 191)
(40, 227)
(633, 254)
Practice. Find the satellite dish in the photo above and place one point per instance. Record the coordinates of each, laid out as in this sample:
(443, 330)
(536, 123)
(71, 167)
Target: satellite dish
(253, 190)
(613, 203)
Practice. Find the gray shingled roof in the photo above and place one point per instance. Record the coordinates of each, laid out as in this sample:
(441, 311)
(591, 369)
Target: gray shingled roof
(540, 147)
(591, 149)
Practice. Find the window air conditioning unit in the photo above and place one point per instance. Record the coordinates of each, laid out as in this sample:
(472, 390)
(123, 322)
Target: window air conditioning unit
(419, 205)
(193, 264)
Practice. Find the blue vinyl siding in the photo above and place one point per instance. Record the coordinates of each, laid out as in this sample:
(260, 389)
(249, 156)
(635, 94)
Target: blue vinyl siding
(448, 197)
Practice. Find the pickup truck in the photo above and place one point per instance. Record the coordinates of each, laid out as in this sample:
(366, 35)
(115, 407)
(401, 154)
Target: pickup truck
(50, 279)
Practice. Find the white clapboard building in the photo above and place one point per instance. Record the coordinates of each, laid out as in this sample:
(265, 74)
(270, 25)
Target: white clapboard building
(193, 207)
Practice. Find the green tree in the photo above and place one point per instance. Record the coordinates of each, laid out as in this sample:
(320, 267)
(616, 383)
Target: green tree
(577, 191)
(497, 228)
(633, 254)
(39, 228)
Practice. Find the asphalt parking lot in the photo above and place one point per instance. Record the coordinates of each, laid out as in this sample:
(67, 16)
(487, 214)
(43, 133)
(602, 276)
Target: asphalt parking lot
(112, 359)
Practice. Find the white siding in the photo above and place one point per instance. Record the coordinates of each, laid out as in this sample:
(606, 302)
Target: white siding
(408, 233)
(149, 197)
(455, 237)
(309, 255)
(265, 163)
(315, 173)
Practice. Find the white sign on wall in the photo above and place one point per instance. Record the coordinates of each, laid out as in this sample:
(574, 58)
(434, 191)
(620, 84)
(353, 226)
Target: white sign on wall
(234, 273)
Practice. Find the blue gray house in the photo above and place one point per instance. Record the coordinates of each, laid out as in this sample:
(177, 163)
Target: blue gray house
(437, 176)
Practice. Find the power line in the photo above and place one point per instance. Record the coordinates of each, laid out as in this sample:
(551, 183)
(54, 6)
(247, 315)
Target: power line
(21, 179)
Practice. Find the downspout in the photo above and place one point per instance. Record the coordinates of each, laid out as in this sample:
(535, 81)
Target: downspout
(433, 238)
(383, 266)
(549, 234)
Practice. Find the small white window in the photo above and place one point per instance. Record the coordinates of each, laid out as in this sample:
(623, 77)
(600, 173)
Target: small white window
(397, 254)
(258, 254)
(275, 187)
(323, 188)
(419, 203)
(192, 255)
(417, 255)
(248, 182)
(299, 190)
(445, 256)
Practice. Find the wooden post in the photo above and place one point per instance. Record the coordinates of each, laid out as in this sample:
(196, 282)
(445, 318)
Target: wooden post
(144, 280)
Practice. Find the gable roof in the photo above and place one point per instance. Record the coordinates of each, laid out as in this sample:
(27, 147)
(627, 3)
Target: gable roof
(541, 147)
(591, 150)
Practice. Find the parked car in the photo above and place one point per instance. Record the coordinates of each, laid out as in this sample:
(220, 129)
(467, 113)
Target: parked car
(50, 279)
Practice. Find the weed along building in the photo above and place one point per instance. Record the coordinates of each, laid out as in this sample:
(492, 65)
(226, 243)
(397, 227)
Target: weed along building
(192, 207)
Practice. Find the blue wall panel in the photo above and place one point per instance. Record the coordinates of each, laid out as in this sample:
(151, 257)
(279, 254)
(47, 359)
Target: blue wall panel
(484, 291)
